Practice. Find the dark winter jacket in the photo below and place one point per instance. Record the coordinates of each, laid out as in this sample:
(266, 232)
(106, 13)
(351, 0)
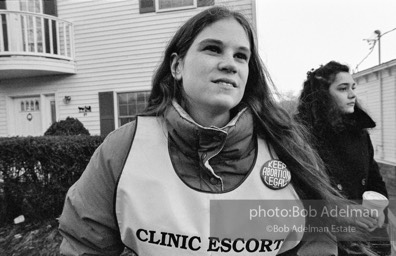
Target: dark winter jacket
(349, 157)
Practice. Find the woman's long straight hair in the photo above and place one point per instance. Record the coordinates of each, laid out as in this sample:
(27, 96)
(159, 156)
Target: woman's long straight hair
(272, 123)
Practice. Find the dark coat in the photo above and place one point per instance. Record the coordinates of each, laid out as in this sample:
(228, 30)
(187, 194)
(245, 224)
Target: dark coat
(349, 158)
(348, 154)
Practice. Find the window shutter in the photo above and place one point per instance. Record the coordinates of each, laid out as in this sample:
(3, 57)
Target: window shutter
(3, 26)
(2, 4)
(50, 7)
(106, 112)
(201, 3)
(146, 6)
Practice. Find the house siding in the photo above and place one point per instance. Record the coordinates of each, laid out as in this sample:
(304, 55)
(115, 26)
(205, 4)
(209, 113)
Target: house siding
(116, 49)
(3, 114)
(371, 102)
(389, 117)
(380, 103)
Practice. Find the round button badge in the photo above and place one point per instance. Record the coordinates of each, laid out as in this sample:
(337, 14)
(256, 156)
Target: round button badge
(275, 174)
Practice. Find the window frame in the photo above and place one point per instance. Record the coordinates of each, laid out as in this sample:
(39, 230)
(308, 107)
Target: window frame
(118, 116)
(157, 9)
(26, 4)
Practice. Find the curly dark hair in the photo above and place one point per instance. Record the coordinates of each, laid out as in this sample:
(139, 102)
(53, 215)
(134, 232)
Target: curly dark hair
(316, 108)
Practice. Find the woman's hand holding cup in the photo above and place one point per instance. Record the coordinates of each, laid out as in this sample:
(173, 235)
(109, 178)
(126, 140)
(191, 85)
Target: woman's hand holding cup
(376, 203)
(363, 220)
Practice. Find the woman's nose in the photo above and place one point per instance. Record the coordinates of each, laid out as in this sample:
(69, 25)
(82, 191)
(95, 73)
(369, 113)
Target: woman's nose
(227, 63)
(351, 94)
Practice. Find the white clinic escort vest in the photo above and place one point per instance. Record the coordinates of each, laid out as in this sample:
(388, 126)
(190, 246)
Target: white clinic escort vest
(159, 215)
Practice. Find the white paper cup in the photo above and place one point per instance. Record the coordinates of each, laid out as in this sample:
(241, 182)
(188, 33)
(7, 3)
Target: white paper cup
(375, 201)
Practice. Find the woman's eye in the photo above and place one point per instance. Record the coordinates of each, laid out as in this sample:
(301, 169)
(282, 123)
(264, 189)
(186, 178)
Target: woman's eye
(212, 48)
(342, 88)
(241, 56)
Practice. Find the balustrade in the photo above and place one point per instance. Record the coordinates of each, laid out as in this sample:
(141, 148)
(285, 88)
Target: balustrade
(33, 34)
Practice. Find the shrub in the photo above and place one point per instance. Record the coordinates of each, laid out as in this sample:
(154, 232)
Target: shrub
(38, 171)
(70, 126)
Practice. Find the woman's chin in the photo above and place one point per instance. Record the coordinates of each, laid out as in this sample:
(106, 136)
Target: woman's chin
(349, 110)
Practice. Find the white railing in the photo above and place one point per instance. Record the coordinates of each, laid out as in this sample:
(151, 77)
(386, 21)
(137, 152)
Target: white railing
(34, 34)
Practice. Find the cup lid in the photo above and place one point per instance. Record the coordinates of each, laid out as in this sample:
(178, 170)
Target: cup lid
(373, 195)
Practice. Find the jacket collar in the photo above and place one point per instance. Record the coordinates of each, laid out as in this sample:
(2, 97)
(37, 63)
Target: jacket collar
(235, 137)
(362, 119)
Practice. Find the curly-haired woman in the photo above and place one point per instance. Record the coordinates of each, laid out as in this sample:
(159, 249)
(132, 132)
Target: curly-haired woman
(328, 107)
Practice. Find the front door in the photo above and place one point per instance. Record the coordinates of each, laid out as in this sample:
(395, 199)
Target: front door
(27, 114)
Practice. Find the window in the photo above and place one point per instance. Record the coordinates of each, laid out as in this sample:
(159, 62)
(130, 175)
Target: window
(34, 6)
(2, 4)
(146, 6)
(53, 111)
(36, 29)
(29, 105)
(130, 104)
(169, 5)
(32, 26)
(3, 28)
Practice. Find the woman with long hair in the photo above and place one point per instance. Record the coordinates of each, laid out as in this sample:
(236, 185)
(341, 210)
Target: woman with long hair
(329, 108)
(212, 133)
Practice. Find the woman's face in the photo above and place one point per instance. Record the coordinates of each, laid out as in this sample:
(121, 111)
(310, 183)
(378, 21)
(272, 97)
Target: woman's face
(342, 90)
(215, 69)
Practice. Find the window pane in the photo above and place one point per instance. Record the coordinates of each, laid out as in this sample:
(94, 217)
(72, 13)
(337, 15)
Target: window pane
(37, 6)
(39, 33)
(132, 97)
(125, 120)
(31, 6)
(123, 110)
(30, 34)
(122, 98)
(141, 107)
(53, 111)
(165, 4)
(141, 97)
(132, 110)
(22, 5)
(188, 2)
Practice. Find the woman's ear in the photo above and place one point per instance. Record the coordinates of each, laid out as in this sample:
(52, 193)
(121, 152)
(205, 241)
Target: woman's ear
(176, 66)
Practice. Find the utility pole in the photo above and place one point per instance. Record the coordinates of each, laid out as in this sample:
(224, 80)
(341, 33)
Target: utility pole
(372, 42)
(378, 32)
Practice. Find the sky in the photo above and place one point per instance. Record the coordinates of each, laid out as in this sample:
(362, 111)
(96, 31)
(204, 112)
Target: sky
(297, 35)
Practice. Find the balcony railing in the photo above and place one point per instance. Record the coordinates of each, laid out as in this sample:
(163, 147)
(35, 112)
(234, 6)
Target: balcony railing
(33, 34)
